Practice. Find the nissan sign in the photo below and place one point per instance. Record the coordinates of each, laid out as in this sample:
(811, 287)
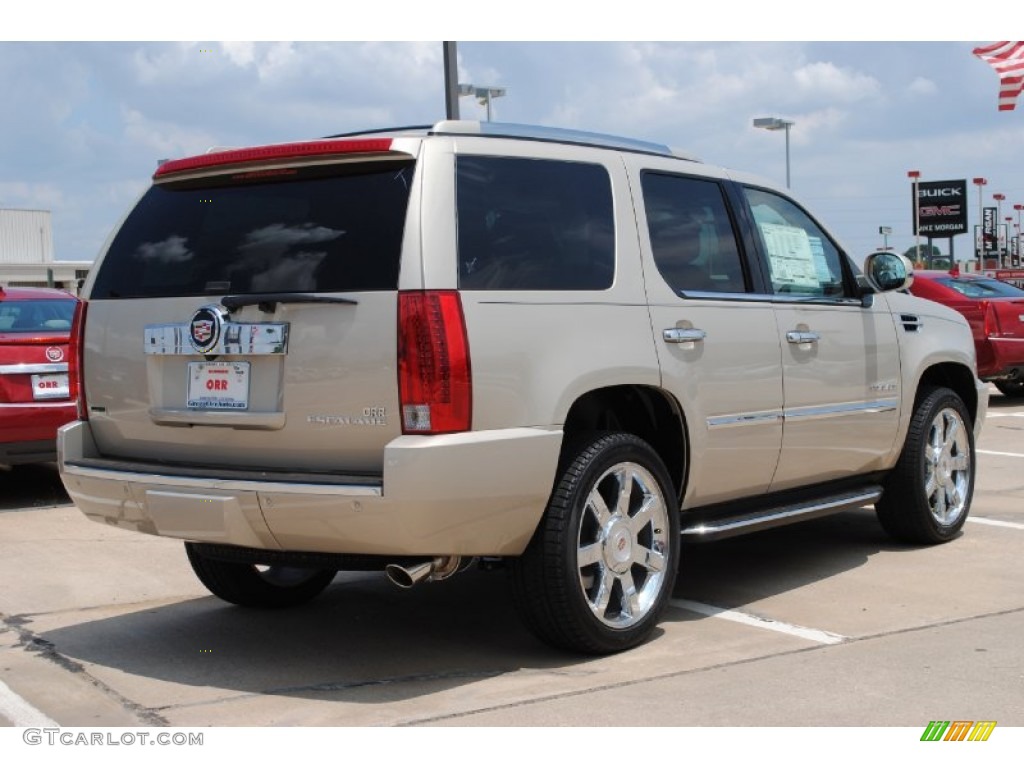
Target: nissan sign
(941, 208)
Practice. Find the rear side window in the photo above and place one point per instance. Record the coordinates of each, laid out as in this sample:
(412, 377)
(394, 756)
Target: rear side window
(540, 225)
(36, 315)
(692, 238)
(979, 288)
(320, 229)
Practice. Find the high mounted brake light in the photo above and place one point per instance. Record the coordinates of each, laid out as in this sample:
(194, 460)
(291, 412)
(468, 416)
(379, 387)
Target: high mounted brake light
(274, 152)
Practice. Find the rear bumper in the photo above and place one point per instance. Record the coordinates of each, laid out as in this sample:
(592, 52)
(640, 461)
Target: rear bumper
(28, 431)
(473, 493)
(1005, 359)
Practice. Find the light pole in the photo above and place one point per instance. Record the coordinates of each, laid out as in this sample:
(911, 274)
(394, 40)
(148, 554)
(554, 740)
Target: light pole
(885, 232)
(979, 245)
(1018, 208)
(1009, 227)
(777, 124)
(483, 93)
(915, 175)
(999, 197)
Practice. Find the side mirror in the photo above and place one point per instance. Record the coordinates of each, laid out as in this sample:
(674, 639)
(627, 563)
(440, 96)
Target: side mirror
(887, 271)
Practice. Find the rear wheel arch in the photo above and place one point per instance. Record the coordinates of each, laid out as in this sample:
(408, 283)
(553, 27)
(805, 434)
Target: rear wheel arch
(647, 412)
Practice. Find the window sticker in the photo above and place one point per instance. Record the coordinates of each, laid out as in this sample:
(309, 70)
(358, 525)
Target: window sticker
(792, 256)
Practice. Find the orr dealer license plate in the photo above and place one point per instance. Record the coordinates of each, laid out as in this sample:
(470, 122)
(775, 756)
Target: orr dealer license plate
(220, 386)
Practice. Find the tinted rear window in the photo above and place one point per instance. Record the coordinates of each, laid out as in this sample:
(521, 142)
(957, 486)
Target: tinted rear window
(36, 315)
(307, 232)
(980, 288)
(527, 224)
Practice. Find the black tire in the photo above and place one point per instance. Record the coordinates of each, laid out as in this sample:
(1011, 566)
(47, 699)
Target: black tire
(928, 494)
(256, 586)
(592, 547)
(1013, 388)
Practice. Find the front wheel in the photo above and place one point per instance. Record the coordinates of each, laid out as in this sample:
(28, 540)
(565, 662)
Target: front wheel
(928, 494)
(257, 586)
(598, 572)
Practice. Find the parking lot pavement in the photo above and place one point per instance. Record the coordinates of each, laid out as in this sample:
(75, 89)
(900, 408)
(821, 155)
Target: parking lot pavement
(825, 623)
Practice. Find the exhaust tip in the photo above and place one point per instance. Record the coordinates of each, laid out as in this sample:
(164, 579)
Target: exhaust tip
(407, 578)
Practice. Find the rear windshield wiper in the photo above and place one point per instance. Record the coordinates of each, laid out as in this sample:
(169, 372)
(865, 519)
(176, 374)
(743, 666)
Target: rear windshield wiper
(267, 302)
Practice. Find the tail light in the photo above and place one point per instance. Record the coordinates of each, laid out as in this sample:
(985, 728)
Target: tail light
(992, 327)
(76, 349)
(434, 380)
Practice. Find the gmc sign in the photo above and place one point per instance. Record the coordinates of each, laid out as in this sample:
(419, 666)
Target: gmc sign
(941, 208)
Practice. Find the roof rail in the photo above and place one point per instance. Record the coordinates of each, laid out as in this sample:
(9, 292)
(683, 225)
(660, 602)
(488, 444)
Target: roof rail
(520, 131)
(560, 135)
(415, 130)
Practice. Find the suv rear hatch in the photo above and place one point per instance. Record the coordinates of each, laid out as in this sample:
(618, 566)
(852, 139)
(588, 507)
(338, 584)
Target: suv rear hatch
(244, 316)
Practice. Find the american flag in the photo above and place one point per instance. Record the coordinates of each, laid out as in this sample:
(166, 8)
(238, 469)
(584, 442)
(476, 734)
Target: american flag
(1007, 59)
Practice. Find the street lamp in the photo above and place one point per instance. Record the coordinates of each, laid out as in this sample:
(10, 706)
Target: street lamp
(777, 124)
(1018, 208)
(999, 197)
(885, 232)
(979, 246)
(483, 93)
(915, 175)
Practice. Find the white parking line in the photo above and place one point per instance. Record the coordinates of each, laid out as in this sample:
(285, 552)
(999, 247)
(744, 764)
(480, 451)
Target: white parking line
(1000, 453)
(999, 523)
(816, 635)
(20, 712)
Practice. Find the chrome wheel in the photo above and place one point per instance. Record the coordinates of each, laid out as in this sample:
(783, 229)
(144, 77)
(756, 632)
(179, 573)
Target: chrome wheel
(600, 567)
(947, 467)
(622, 544)
(927, 495)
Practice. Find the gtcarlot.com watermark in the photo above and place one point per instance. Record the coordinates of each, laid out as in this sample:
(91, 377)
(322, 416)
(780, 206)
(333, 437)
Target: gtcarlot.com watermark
(77, 737)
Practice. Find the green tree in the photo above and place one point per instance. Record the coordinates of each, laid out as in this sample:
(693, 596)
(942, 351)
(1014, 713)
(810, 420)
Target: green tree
(927, 252)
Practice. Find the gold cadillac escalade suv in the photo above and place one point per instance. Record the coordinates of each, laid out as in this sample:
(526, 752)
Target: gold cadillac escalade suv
(567, 352)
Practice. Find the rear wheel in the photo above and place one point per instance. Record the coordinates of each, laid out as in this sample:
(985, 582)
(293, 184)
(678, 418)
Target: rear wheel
(598, 572)
(257, 586)
(928, 494)
(1013, 388)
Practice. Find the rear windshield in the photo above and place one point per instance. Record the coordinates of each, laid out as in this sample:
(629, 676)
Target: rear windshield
(981, 288)
(36, 315)
(312, 230)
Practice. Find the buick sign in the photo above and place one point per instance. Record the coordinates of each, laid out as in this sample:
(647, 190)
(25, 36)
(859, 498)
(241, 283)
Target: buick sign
(941, 208)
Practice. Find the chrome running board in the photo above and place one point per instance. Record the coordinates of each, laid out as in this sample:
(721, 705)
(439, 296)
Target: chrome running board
(722, 528)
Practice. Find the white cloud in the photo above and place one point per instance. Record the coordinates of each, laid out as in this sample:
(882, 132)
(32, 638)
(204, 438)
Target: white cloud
(241, 54)
(922, 86)
(824, 80)
(164, 139)
(36, 196)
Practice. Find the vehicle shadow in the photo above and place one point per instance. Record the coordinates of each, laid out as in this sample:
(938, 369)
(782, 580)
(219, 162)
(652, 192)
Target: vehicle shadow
(734, 572)
(999, 401)
(31, 485)
(365, 641)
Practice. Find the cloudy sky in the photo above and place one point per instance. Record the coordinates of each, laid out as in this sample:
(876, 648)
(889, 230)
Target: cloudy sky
(85, 122)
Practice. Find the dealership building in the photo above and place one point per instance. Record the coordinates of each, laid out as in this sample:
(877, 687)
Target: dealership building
(26, 253)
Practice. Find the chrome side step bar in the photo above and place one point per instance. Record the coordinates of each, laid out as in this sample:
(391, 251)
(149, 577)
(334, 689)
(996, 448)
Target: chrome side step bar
(723, 528)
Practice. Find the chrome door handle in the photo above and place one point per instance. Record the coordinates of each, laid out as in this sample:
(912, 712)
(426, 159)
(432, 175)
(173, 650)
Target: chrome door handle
(683, 335)
(801, 337)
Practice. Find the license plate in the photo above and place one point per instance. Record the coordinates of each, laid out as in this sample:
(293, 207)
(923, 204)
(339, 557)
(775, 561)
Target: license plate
(218, 386)
(50, 386)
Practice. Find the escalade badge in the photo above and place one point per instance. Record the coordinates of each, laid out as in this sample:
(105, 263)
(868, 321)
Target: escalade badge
(205, 327)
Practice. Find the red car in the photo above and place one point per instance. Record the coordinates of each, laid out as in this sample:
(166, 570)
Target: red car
(36, 395)
(995, 311)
